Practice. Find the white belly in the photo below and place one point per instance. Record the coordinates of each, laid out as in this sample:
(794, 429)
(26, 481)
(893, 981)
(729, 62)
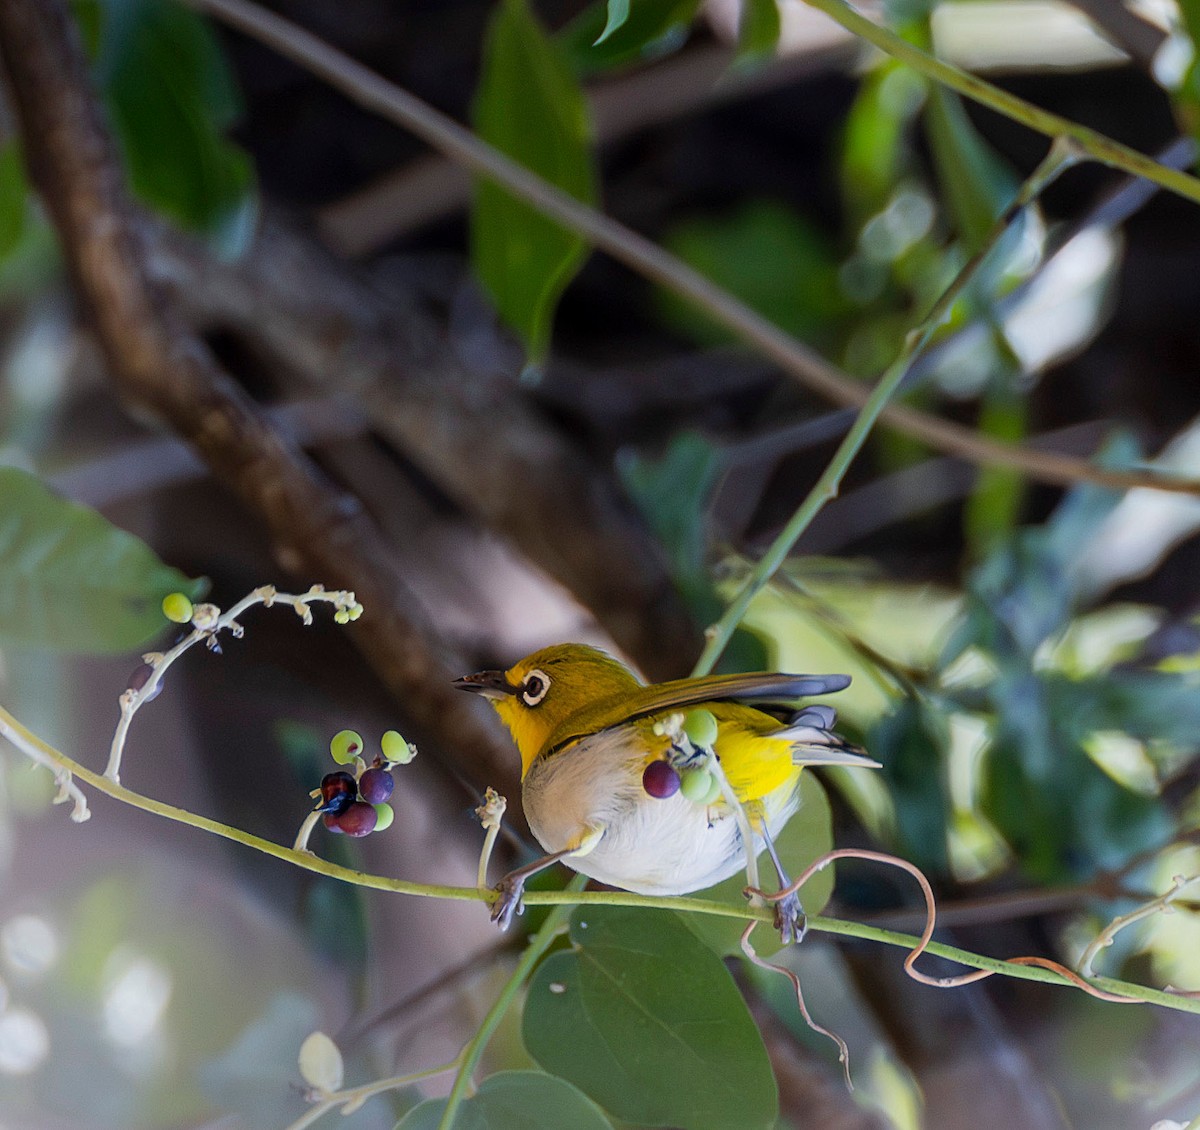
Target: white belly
(649, 846)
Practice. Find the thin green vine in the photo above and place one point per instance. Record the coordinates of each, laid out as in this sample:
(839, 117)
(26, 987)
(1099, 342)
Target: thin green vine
(46, 754)
(1062, 156)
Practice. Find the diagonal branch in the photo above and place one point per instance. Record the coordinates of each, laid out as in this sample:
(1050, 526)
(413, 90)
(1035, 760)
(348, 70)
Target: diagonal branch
(379, 96)
(470, 432)
(162, 368)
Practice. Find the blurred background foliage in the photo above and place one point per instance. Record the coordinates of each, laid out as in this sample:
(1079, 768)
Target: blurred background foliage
(1026, 660)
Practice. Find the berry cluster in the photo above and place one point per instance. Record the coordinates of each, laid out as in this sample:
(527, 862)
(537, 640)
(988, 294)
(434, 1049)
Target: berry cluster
(355, 803)
(686, 769)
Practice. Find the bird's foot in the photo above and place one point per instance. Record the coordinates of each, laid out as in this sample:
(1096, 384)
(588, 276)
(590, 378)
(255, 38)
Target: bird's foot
(790, 919)
(510, 891)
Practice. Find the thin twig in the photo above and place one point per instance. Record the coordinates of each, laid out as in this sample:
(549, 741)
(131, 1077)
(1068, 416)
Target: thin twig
(389, 101)
(1157, 905)
(1052, 974)
(922, 945)
(826, 487)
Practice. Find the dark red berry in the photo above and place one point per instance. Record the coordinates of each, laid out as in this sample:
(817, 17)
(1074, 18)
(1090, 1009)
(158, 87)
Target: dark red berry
(358, 820)
(376, 785)
(140, 677)
(330, 820)
(660, 779)
(338, 791)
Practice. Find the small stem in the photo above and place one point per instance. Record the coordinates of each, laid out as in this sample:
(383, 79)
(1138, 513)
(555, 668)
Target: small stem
(1153, 906)
(1060, 157)
(354, 1097)
(538, 944)
(310, 822)
(489, 842)
(132, 701)
(1096, 145)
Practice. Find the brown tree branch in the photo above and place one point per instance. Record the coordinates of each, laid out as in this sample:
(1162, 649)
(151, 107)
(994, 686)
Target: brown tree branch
(162, 368)
(469, 431)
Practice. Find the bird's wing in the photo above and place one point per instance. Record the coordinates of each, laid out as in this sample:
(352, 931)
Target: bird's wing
(637, 703)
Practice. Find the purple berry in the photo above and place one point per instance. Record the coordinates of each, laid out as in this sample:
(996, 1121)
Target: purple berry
(376, 785)
(140, 677)
(338, 791)
(330, 820)
(660, 779)
(358, 820)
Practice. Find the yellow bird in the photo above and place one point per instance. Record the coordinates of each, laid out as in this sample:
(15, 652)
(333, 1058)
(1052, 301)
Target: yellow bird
(623, 781)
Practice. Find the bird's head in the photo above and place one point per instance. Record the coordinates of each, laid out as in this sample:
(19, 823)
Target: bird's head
(539, 693)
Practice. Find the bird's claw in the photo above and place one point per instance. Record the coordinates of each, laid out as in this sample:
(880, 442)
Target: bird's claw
(790, 919)
(510, 892)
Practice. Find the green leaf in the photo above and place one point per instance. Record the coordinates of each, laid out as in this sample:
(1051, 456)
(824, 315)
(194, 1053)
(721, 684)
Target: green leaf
(673, 492)
(977, 183)
(912, 743)
(531, 108)
(807, 835)
(171, 96)
(618, 13)
(876, 152)
(643, 1017)
(14, 194)
(652, 29)
(1064, 817)
(771, 258)
(514, 1100)
(758, 32)
(73, 581)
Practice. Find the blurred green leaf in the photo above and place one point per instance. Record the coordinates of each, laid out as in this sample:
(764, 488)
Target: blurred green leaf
(1186, 96)
(14, 197)
(768, 256)
(73, 581)
(89, 18)
(993, 508)
(618, 13)
(1064, 817)
(808, 834)
(875, 147)
(1025, 591)
(976, 183)
(514, 1100)
(531, 108)
(758, 31)
(643, 1017)
(653, 28)
(673, 492)
(912, 744)
(171, 96)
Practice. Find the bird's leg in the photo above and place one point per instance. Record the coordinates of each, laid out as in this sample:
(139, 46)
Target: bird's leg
(790, 919)
(512, 886)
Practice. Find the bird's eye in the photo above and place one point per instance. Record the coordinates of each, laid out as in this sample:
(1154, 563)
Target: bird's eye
(534, 687)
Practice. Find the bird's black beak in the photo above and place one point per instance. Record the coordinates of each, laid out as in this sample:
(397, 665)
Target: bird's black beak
(490, 684)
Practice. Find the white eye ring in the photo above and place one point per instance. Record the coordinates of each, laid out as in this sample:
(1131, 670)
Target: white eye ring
(534, 687)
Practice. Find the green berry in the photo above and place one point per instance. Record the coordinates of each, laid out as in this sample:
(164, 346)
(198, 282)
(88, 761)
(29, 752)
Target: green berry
(396, 749)
(177, 607)
(714, 793)
(701, 728)
(385, 816)
(354, 611)
(341, 616)
(695, 784)
(345, 746)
